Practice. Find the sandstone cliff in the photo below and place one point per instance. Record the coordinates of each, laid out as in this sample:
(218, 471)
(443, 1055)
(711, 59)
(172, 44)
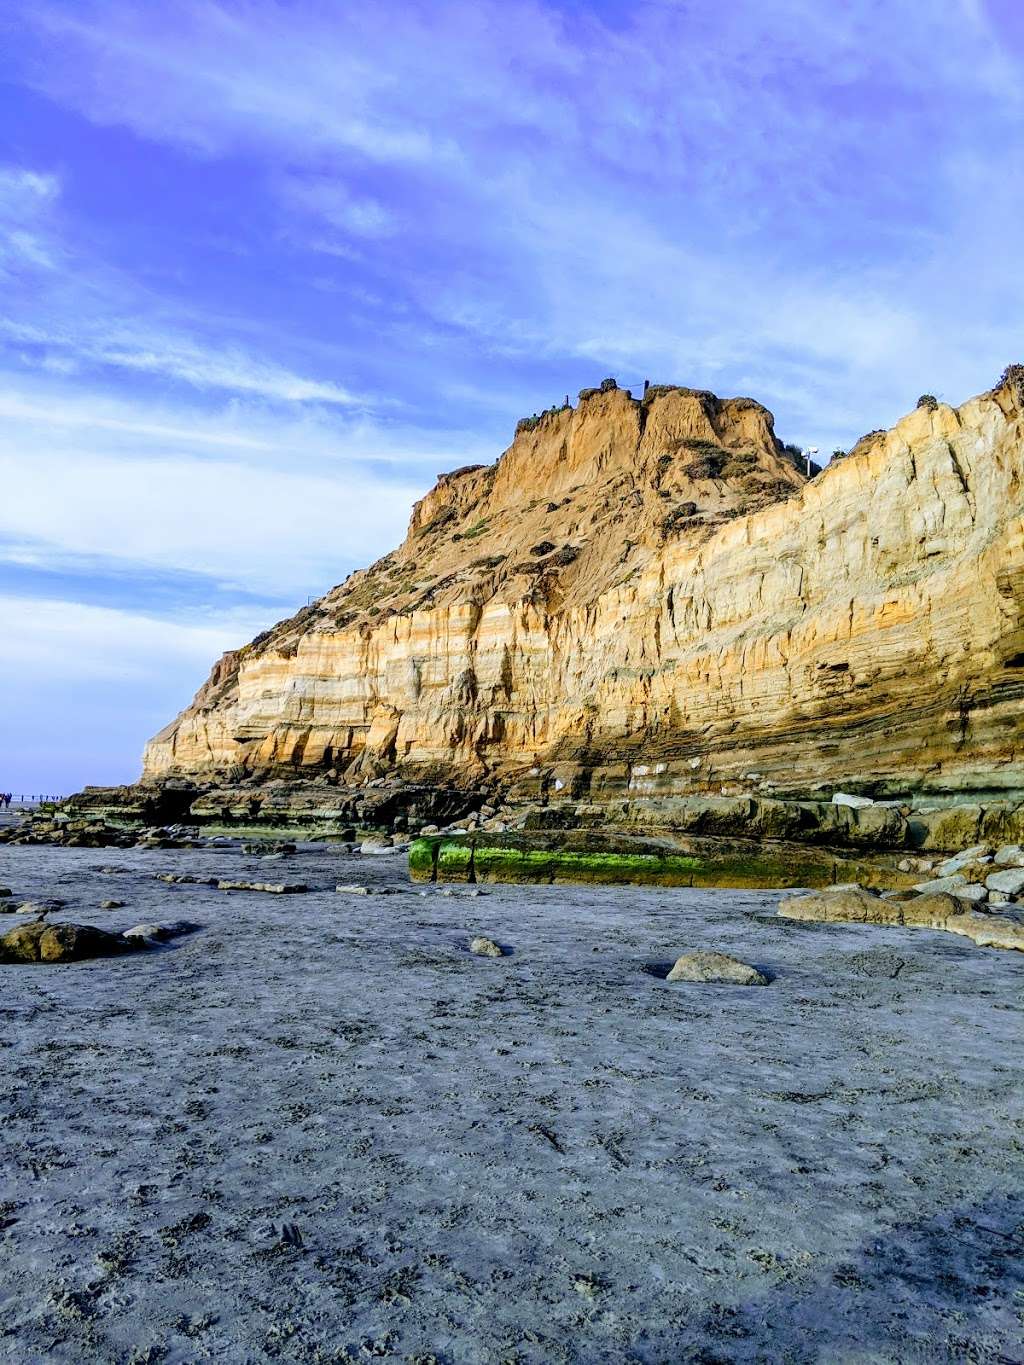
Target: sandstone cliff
(650, 596)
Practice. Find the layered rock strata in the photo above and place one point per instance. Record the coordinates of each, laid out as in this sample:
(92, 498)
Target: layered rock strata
(646, 599)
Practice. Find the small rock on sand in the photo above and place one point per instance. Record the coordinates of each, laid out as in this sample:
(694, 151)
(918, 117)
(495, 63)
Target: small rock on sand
(40, 908)
(716, 969)
(271, 888)
(160, 933)
(485, 947)
(352, 890)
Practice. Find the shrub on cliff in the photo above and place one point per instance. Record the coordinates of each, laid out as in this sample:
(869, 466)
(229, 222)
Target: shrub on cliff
(929, 401)
(681, 516)
(606, 386)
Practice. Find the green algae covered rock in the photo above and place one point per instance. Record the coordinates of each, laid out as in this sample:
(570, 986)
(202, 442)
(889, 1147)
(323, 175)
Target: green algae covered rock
(546, 857)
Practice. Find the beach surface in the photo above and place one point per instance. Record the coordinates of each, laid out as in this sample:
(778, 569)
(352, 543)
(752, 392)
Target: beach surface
(320, 1129)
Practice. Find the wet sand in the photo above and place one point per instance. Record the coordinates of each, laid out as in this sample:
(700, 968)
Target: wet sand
(553, 1156)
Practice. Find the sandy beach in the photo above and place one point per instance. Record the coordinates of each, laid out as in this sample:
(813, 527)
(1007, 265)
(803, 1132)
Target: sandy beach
(319, 1129)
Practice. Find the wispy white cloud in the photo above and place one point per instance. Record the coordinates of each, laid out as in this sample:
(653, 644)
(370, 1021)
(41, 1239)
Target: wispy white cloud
(173, 356)
(698, 189)
(324, 200)
(283, 504)
(76, 413)
(84, 643)
(26, 197)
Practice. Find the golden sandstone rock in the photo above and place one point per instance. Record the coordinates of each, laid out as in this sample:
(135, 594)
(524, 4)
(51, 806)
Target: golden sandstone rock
(851, 904)
(708, 616)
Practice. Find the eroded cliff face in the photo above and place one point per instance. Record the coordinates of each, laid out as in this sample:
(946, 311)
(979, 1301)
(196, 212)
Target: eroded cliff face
(650, 596)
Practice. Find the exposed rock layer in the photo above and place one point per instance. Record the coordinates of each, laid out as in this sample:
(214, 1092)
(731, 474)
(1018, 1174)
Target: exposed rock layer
(650, 598)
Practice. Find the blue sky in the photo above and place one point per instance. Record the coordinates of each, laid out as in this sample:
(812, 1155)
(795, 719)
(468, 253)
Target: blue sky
(266, 268)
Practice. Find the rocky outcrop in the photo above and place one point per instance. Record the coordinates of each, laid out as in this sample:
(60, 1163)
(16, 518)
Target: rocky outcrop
(852, 904)
(647, 599)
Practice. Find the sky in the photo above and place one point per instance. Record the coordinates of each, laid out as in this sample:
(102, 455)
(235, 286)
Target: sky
(268, 266)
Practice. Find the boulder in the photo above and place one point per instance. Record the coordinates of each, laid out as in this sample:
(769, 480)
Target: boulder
(947, 830)
(975, 892)
(56, 943)
(1010, 855)
(378, 843)
(5, 891)
(854, 905)
(848, 799)
(941, 884)
(1010, 881)
(938, 911)
(934, 911)
(716, 969)
(989, 931)
(486, 947)
(111, 905)
(950, 866)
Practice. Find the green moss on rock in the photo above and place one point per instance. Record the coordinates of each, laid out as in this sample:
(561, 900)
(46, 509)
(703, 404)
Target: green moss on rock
(607, 859)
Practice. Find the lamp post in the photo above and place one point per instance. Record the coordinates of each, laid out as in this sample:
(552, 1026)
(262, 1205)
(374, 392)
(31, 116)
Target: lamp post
(811, 450)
